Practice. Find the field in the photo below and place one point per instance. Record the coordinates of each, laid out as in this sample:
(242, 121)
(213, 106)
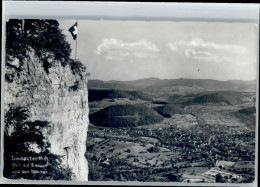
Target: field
(174, 133)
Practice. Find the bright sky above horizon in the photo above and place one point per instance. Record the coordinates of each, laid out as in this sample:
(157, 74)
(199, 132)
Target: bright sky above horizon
(131, 50)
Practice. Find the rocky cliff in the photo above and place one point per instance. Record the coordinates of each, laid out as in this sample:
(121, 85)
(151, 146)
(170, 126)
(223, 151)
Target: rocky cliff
(57, 95)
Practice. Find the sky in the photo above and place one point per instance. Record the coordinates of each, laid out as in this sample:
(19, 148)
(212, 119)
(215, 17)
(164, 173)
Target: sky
(131, 50)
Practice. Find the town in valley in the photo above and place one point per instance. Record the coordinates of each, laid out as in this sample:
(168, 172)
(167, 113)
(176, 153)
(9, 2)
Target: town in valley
(179, 130)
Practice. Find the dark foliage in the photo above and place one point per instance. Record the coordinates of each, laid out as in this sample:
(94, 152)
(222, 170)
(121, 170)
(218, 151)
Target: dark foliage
(47, 40)
(247, 116)
(44, 36)
(173, 177)
(248, 110)
(215, 98)
(77, 67)
(154, 149)
(17, 144)
(248, 179)
(169, 110)
(220, 178)
(160, 102)
(9, 78)
(125, 116)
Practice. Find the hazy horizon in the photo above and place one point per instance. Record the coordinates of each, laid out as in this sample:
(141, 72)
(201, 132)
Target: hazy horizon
(172, 79)
(132, 50)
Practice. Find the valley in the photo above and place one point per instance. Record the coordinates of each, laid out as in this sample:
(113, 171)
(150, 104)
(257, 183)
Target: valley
(172, 135)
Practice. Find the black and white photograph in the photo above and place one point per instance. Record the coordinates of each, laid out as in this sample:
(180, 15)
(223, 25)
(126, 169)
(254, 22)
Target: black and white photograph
(130, 101)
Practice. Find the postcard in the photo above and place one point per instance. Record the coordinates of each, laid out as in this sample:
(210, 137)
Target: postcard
(130, 101)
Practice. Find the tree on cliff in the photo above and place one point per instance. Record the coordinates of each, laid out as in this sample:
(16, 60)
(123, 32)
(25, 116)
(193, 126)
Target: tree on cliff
(26, 149)
(42, 35)
(45, 38)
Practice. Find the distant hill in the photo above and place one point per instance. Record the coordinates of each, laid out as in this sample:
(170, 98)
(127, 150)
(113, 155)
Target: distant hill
(144, 83)
(99, 94)
(227, 97)
(117, 85)
(248, 110)
(169, 109)
(247, 116)
(125, 116)
(203, 84)
(154, 84)
(175, 98)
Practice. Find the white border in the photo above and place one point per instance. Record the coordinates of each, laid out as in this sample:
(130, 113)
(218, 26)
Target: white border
(126, 11)
(134, 10)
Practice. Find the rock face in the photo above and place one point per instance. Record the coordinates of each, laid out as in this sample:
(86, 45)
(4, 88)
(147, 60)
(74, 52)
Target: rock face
(58, 96)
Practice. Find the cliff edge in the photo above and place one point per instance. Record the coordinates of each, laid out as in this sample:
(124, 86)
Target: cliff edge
(54, 91)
